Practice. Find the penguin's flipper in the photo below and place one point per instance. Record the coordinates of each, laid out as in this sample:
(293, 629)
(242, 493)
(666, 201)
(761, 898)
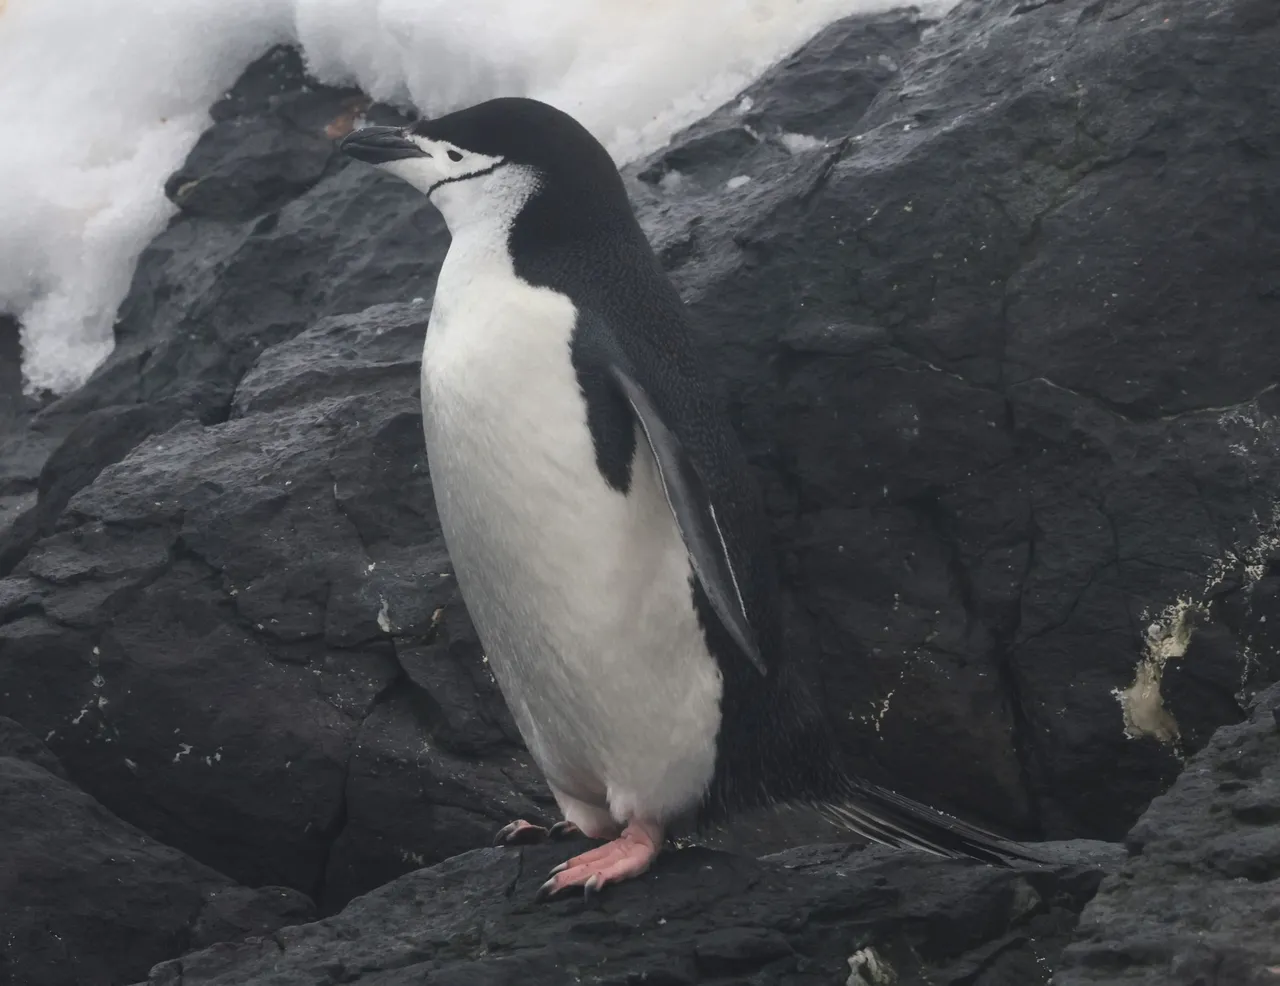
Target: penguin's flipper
(695, 515)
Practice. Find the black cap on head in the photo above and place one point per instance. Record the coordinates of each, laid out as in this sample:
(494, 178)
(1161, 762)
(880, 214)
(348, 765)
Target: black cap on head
(529, 132)
(576, 190)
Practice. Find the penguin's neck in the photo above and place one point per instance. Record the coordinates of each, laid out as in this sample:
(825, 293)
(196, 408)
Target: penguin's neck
(481, 211)
(478, 287)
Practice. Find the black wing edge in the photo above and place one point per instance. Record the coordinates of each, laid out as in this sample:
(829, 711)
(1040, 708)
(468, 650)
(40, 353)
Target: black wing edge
(881, 815)
(695, 515)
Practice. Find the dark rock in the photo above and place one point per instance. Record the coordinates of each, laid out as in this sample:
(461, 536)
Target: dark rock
(411, 800)
(995, 315)
(215, 288)
(379, 349)
(100, 437)
(87, 899)
(219, 623)
(278, 74)
(12, 402)
(272, 139)
(816, 915)
(233, 913)
(1198, 901)
(967, 338)
(18, 744)
(261, 283)
(22, 450)
(817, 95)
(15, 407)
(242, 168)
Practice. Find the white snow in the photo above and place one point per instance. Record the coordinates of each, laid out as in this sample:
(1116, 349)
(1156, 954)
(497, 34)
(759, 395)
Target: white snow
(867, 967)
(1169, 632)
(799, 143)
(102, 100)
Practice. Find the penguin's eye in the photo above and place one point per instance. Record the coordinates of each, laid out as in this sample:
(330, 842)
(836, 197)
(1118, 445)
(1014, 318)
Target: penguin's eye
(454, 155)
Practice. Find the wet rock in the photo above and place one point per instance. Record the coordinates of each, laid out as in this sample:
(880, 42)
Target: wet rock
(995, 315)
(1198, 901)
(243, 168)
(86, 898)
(1010, 456)
(18, 744)
(815, 915)
(273, 240)
(221, 621)
(22, 449)
(272, 140)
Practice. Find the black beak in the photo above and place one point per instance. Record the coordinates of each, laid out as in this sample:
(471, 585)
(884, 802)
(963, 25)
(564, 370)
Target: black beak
(378, 145)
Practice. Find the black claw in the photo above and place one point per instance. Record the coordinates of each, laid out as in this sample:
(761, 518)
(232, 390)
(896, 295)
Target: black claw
(563, 830)
(545, 892)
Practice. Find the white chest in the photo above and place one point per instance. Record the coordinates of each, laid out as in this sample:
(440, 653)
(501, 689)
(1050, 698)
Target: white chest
(505, 420)
(580, 593)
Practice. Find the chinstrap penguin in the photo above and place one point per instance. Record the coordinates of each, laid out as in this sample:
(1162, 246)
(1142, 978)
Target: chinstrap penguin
(605, 532)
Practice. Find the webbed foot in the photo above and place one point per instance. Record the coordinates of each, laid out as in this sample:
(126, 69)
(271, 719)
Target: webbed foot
(627, 856)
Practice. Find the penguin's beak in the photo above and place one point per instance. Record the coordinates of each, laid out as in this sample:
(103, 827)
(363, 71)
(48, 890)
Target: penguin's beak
(378, 145)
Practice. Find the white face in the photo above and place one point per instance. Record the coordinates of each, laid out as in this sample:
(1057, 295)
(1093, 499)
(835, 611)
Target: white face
(467, 187)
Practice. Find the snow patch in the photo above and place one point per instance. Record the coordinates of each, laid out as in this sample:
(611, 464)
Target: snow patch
(868, 968)
(1167, 638)
(1169, 634)
(671, 181)
(103, 99)
(799, 143)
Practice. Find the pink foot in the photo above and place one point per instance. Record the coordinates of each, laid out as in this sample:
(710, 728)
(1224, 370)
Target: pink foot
(627, 856)
(522, 833)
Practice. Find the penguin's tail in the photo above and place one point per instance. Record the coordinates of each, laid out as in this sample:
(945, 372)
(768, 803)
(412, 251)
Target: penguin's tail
(878, 814)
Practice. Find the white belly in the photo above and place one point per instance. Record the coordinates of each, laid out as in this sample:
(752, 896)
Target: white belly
(580, 594)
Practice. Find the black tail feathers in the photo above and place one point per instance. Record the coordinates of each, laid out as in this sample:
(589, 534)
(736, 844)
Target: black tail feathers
(880, 815)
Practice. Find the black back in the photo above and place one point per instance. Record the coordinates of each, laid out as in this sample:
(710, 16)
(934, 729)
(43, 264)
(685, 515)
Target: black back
(579, 236)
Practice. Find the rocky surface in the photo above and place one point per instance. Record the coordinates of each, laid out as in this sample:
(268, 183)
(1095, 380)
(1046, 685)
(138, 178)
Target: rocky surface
(22, 451)
(269, 655)
(816, 915)
(1003, 347)
(86, 898)
(994, 302)
(1198, 904)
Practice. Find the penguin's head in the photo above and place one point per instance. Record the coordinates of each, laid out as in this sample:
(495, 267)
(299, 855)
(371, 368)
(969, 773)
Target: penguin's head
(491, 159)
